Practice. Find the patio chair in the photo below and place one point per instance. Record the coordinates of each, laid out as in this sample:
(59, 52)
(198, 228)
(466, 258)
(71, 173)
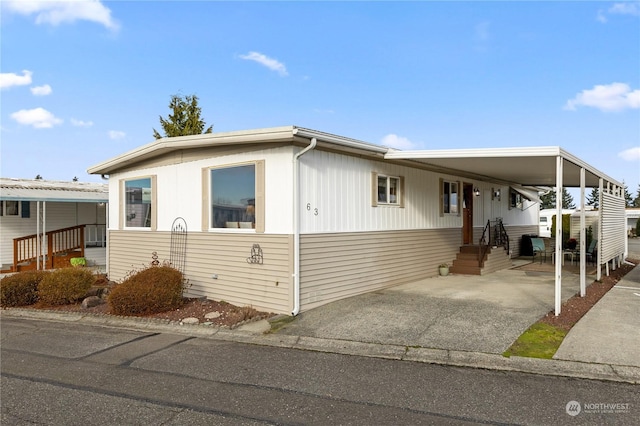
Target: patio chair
(592, 252)
(539, 249)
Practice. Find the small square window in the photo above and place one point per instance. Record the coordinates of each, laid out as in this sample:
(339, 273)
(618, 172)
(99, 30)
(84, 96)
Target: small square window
(388, 190)
(12, 208)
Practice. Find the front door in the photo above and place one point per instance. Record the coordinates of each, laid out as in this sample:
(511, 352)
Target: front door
(467, 214)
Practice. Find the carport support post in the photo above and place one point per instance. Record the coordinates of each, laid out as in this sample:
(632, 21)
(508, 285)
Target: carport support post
(583, 239)
(558, 272)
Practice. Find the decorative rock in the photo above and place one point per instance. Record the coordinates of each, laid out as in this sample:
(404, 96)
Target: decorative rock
(213, 315)
(190, 320)
(91, 301)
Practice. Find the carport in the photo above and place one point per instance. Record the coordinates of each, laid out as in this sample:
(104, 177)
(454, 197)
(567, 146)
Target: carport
(540, 168)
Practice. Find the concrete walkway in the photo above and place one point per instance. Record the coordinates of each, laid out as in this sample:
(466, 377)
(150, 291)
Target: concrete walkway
(610, 331)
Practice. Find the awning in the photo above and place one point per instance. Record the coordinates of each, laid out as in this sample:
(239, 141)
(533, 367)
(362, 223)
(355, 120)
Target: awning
(52, 191)
(530, 195)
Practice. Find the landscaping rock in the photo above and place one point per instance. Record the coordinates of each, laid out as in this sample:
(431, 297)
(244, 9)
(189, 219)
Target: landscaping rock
(190, 320)
(91, 301)
(212, 315)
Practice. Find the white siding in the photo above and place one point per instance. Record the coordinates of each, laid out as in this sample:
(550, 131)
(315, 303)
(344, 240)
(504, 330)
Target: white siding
(336, 197)
(613, 227)
(179, 189)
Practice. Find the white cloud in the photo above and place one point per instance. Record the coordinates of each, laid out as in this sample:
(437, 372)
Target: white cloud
(394, 141)
(116, 134)
(43, 90)
(272, 64)
(39, 118)
(56, 12)
(80, 123)
(624, 8)
(607, 97)
(10, 79)
(631, 154)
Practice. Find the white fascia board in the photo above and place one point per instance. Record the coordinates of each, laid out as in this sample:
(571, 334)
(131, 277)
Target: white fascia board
(542, 151)
(578, 162)
(164, 145)
(340, 141)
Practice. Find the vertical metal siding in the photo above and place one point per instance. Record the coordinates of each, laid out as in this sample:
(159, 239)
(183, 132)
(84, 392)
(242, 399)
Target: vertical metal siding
(613, 227)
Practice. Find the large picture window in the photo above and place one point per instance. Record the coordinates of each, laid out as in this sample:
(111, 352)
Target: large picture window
(233, 197)
(138, 203)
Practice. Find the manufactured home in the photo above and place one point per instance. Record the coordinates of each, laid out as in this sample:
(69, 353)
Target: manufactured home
(44, 223)
(286, 219)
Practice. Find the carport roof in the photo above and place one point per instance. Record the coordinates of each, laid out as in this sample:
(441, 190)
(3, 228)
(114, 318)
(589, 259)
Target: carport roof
(48, 190)
(533, 166)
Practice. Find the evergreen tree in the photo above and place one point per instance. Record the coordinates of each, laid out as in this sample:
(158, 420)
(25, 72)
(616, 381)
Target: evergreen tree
(636, 201)
(185, 119)
(593, 199)
(628, 199)
(548, 200)
(567, 200)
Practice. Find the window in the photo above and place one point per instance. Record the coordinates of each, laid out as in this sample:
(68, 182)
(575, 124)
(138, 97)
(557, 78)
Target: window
(389, 190)
(138, 203)
(233, 197)
(11, 208)
(450, 191)
(516, 200)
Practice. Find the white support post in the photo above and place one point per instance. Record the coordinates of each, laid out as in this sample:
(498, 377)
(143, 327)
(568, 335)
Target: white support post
(558, 271)
(599, 257)
(583, 239)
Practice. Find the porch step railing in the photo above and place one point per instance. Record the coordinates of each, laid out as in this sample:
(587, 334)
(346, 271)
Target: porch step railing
(59, 243)
(492, 235)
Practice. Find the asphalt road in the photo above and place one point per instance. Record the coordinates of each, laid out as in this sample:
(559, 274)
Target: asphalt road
(67, 373)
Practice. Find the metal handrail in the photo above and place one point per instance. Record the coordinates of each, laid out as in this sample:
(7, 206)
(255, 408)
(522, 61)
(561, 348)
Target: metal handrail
(484, 244)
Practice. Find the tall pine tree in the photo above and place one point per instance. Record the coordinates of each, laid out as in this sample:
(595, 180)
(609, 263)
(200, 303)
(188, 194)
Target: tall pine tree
(185, 119)
(548, 200)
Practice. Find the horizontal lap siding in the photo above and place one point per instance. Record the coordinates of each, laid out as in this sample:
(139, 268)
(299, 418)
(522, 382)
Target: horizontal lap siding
(264, 286)
(335, 266)
(515, 236)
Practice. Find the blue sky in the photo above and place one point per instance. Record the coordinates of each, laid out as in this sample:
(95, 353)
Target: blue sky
(84, 81)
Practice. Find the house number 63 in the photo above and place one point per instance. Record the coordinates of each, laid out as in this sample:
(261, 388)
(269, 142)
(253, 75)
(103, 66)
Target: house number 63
(315, 210)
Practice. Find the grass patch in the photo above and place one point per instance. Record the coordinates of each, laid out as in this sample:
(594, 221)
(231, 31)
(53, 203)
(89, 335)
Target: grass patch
(539, 341)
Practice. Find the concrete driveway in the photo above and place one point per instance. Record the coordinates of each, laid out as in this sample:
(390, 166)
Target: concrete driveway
(459, 312)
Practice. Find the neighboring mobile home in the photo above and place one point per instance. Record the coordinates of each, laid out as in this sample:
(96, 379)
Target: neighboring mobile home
(58, 212)
(286, 219)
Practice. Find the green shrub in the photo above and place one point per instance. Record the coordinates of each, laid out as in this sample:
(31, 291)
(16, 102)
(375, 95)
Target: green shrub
(152, 290)
(20, 289)
(66, 285)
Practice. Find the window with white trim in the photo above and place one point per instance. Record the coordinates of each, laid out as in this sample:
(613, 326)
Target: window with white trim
(388, 190)
(138, 202)
(450, 197)
(233, 197)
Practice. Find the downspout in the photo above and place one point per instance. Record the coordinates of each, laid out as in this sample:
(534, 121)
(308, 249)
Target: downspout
(296, 226)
